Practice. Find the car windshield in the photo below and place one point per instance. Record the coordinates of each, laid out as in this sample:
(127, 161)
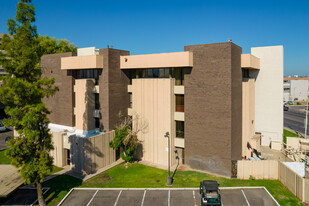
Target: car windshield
(211, 194)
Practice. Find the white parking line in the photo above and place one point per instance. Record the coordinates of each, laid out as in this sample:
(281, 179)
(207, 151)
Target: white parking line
(118, 198)
(143, 198)
(194, 197)
(245, 197)
(169, 198)
(92, 198)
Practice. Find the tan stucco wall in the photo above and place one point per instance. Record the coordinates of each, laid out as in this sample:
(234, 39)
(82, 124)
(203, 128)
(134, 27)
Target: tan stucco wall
(58, 152)
(250, 61)
(87, 155)
(248, 114)
(82, 62)
(177, 59)
(153, 103)
(84, 104)
(263, 169)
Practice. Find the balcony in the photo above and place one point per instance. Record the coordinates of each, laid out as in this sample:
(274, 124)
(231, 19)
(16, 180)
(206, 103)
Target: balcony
(249, 61)
(164, 60)
(82, 62)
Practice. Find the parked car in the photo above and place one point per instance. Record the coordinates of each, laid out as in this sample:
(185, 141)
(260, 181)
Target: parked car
(285, 108)
(2, 127)
(290, 102)
(210, 194)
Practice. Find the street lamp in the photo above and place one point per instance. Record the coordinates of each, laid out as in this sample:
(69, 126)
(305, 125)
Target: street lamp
(169, 178)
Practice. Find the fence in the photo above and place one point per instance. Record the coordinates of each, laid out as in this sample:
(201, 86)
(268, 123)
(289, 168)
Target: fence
(266, 169)
(298, 185)
(273, 169)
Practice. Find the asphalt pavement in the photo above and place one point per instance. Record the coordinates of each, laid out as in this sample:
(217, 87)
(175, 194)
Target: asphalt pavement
(165, 196)
(294, 119)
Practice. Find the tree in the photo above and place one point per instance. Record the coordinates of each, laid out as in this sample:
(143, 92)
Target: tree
(22, 92)
(126, 139)
(50, 45)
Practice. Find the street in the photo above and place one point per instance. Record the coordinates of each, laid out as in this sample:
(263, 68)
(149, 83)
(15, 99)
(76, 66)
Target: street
(294, 119)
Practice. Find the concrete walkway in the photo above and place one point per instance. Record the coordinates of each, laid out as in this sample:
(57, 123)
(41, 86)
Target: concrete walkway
(10, 179)
(87, 177)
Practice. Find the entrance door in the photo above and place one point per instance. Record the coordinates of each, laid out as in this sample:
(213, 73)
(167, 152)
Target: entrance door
(67, 156)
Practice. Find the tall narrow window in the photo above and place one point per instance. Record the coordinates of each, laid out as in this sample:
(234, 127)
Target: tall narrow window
(179, 76)
(180, 129)
(96, 101)
(180, 103)
(97, 123)
(130, 101)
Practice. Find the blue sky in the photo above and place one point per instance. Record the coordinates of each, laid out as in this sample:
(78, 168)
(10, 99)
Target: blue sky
(166, 26)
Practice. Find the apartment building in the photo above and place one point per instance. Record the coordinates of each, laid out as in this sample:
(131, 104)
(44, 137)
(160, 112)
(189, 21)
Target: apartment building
(217, 104)
(295, 88)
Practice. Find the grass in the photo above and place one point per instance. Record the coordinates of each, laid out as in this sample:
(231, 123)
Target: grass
(4, 159)
(138, 176)
(287, 133)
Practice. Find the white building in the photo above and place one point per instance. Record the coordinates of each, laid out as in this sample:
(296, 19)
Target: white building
(295, 88)
(268, 94)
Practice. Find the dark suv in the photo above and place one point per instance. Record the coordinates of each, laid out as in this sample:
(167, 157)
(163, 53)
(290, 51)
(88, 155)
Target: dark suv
(210, 193)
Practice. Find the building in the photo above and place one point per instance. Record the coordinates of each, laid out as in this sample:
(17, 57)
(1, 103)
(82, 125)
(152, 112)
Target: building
(217, 104)
(295, 88)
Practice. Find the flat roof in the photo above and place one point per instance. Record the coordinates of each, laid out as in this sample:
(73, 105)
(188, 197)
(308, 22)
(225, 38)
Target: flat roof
(10, 180)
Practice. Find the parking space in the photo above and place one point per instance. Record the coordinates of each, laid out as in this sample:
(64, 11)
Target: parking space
(257, 196)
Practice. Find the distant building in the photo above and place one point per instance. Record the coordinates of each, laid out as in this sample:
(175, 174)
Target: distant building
(217, 104)
(295, 88)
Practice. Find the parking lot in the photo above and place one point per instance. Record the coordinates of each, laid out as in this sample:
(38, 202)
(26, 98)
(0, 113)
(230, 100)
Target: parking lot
(257, 196)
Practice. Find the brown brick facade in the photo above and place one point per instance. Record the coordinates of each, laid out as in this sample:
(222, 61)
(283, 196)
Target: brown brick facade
(61, 104)
(113, 83)
(213, 111)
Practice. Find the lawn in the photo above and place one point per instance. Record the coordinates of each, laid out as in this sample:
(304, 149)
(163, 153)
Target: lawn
(4, 160)
(287, 133)
(138, 175)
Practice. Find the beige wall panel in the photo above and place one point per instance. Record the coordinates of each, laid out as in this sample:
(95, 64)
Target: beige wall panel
(293, 142)
(248, 114)
(266, 169)
(250, 61)
(179, 116)
(58, 152)
(179, 89)
(84, 101)
(153, 105)
(179, 142)
(82, 62)
(177, 59)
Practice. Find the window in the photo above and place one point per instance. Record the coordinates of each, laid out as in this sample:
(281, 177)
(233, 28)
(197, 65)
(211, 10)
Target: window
(96, 101)
(180, 129)
(177, 73)
(97, 123)
(179, 76)
(180, 103)
(88, 74)
(245, 73)
(130, 102)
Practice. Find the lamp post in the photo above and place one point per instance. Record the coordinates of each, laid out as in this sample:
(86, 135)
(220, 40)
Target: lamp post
(169, 178)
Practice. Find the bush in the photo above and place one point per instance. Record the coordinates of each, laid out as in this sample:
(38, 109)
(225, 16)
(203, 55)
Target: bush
(251, 177)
